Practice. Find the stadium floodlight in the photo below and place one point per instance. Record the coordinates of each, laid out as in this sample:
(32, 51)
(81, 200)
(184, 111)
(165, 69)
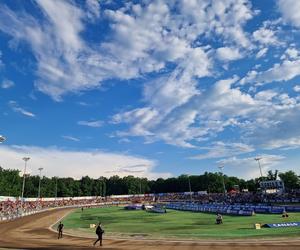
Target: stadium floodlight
(2, 139)
(221, 170)
(39, 193)
(25, 159)
(258, 160)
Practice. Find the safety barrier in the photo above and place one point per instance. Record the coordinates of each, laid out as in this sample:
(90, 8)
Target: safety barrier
(210, 209)
(20, 215)
(236, 209)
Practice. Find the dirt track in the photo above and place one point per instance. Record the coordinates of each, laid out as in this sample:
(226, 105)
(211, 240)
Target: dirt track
(32, 232)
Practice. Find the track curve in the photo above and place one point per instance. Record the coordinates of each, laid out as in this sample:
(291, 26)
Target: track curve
(32, 232)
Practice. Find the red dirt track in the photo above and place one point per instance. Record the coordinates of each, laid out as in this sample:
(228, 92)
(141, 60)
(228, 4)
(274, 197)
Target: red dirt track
(32, 232)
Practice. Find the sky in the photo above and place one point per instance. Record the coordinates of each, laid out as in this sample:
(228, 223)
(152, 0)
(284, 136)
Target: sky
(150, 88)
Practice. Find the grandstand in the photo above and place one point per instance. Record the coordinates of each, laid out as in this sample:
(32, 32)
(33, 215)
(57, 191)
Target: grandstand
(241, 206)
(233, 203)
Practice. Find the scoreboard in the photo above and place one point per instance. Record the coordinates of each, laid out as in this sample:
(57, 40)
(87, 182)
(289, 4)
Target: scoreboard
(277, 185)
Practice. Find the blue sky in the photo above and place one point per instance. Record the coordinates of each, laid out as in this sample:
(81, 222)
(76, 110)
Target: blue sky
(150, 88)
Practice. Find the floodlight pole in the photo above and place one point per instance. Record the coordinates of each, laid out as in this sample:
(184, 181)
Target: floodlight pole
(224, 188)
(25, 159)
(258, 160)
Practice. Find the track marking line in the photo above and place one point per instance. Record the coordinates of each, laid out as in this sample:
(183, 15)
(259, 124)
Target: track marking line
(61, 218)
(278, 242)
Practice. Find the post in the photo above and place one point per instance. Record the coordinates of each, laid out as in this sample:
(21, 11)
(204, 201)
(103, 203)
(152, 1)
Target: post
(39, 193)
(25, 159)
(258, 160)
(264, 191)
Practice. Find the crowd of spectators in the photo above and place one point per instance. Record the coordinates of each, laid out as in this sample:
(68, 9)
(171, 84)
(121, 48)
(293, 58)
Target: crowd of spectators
(291, 197)
(12, 208)
(231, 198)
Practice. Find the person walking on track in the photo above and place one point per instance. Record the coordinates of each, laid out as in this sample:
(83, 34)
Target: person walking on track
(60, 230)
(99, 232)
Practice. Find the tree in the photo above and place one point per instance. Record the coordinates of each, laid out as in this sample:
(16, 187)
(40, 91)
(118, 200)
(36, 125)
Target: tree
(10, 182)
(86, 185)
(99, 188)
(272, 176)
(231, 182)
(115, 185)
(252, 185)
(290, 179)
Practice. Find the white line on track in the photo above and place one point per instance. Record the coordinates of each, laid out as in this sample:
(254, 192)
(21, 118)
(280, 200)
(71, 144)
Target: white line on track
(278, 241)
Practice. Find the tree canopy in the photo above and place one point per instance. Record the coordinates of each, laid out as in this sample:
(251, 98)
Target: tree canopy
(11, 181)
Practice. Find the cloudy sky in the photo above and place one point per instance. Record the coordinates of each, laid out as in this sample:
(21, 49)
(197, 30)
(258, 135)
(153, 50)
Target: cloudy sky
(150, 88)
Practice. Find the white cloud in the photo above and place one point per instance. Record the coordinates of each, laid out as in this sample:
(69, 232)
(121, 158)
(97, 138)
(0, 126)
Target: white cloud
(265, 36)
(296, 88)
(204, 115)
(84, 104)
(1, 62)
(266, 95)
(261, 52)
(6, 84)
(160, 33)
(292, 53)
(16, 108)
(293, 142)
(285, 71)
(64, 163)
(276, 124)
(56, 45)
(165, 40)
(71, 138)
(167, 93)
(248, 167)
(290, 10)
(93, 124)
(220, 149)
(93, 8)
(146, 118)
(225, 100)
(228, 54)
(222, 107)
(124, 140)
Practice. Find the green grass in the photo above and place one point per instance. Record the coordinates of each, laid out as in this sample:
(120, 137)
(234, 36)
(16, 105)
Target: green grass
(176, 224)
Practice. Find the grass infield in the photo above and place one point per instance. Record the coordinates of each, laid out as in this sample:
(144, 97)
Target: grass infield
(118, 222)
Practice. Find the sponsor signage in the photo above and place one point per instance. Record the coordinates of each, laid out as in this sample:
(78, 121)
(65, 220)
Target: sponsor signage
(284, 224)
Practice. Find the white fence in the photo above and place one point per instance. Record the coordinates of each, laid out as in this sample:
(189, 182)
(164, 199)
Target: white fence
(11, 198)
(17, 215)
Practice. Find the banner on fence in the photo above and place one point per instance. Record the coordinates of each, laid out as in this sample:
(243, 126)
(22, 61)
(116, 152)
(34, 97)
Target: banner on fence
(284, 224)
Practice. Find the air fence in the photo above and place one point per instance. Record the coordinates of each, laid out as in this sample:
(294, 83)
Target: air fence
(237, 209)
(94, 201)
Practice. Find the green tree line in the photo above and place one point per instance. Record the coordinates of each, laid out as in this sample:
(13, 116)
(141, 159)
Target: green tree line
(11, 184)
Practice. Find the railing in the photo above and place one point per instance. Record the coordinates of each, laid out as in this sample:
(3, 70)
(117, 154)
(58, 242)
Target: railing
(16, 215)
